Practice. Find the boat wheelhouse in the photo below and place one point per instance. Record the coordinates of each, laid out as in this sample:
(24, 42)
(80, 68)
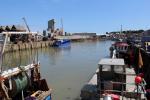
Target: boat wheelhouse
(116, 81)
(121, 49)
(146, 43)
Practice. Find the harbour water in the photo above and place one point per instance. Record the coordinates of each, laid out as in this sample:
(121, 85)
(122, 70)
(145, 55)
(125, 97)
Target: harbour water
(66, 69)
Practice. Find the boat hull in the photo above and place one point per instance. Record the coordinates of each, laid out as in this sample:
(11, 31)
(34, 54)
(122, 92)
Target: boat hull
(59, 43)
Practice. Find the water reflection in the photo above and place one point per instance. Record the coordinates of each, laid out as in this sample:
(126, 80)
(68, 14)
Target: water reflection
(24, 57)
(66, 69)
(13, 59)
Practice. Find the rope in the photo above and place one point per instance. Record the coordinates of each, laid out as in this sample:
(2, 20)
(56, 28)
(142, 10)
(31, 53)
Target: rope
(5, 89)
(26, 74)
(19, 58)
(22, 95)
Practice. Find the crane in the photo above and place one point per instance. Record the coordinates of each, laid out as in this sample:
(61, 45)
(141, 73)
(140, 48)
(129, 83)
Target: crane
(26, 23)
(28, 37)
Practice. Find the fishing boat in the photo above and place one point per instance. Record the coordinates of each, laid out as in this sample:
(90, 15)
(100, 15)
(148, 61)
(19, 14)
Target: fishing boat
(121, 48)
(114, 81)
(62, 42)
(117, 81)
(22, 82)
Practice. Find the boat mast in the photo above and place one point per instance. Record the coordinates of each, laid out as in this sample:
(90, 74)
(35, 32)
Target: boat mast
(2, 51)
(121, 30)
(62, 27)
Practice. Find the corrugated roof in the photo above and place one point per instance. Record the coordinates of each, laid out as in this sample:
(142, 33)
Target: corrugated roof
(121, 44)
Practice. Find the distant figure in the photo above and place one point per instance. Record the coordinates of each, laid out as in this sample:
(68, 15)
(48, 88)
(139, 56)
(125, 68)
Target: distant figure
(114, 54)
(111, 51)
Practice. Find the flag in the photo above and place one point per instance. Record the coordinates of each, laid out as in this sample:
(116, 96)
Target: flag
(140, 63)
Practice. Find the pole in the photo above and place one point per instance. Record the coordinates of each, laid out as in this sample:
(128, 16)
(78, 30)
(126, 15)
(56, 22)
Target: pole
(137, 91)
(2, 51)
(62, 26)
(121, 30)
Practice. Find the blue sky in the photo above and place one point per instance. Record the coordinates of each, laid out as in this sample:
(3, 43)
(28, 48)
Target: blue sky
(98, 16)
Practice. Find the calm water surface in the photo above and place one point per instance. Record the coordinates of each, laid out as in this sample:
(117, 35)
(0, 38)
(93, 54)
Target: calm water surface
(66, 69)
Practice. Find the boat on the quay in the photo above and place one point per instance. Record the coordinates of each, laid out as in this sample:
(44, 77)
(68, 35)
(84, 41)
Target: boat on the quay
(22, 82)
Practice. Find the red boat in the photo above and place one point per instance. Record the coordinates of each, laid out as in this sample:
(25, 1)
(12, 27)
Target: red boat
(120, 48)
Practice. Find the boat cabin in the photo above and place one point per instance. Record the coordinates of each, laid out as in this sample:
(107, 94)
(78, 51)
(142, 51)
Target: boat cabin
(115, 79)
(146, 43)
(62, 42)
(121, 49)
(110, 76)
(121, 46)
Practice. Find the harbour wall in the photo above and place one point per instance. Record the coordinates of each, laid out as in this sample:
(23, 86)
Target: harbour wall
(25, 46)
(42, 44)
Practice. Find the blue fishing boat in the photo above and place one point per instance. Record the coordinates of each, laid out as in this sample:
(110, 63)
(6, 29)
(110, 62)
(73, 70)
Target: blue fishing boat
(62, 42)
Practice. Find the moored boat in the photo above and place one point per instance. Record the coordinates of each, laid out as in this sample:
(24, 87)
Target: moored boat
(121, 48)
(115, 81)
(119, 81)
(61, 42)
(22, 82)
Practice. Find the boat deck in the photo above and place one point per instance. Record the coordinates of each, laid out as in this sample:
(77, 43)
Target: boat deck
(130, 89)
(41, 95)
(130, 76)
